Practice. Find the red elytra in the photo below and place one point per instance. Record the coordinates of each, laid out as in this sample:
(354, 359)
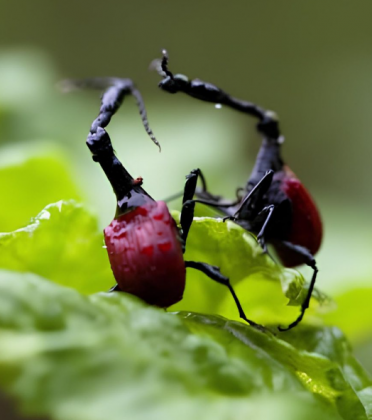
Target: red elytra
(145, 254)
(306, 228)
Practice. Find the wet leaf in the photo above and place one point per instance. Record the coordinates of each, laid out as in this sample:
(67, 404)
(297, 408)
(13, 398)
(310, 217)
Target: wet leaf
(62, 244)
(71, 356)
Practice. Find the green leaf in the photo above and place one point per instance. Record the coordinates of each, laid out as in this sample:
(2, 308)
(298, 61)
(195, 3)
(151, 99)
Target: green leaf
(269, 293)
(62, 244)
(71, 357)
(29, 183)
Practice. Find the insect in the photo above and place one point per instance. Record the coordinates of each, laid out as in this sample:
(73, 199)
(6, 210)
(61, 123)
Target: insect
(274, 204)
(144, 244)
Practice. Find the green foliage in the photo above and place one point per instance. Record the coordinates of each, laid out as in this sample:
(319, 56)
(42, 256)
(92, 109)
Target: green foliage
(70, 353)
(62, 244)
(72, 356)
(30, 183)
(255, 276)
(353, 313)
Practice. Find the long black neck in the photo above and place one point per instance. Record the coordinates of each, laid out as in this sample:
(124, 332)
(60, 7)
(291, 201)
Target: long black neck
(268, 158)
(128, 190)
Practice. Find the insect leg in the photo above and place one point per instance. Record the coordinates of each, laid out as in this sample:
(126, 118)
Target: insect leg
(173, 197)
(214, 273)
(255, 194)
(215, 201)
(309, 260)
(115, 288)
(128, 191)
(188, 206)
(261, 235)
(116, 90)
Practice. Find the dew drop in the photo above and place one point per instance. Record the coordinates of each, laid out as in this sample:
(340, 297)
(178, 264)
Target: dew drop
(218, 106)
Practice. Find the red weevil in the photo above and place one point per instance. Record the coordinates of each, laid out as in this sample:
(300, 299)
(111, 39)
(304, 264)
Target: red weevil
(274, 204)
(144, 244)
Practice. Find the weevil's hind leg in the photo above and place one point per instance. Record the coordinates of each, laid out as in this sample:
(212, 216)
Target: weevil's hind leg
(308, 259)
(214, 273)
(115, 288)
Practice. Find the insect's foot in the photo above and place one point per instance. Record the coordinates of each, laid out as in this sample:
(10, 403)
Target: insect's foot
(232, 218)
(261, 241)
(281, 329)
(252, 323)
(294, 323)
(258, 327)
(290, 326)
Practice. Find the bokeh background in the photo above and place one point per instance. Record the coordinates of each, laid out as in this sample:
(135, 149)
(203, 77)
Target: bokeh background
(310, 61)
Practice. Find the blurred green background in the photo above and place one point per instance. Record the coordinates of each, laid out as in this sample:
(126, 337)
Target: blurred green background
(310, 61)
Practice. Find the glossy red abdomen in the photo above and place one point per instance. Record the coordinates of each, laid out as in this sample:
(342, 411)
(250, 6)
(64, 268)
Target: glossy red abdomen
(146, 256)
(306, 228)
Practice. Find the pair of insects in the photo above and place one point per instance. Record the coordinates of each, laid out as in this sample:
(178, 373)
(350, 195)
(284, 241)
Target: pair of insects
(144, 244)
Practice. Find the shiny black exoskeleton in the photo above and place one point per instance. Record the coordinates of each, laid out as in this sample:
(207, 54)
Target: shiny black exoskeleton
(144, 244)
(274, 204)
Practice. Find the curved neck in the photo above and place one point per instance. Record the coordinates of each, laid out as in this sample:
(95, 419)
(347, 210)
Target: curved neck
(268, 157)
(128, 191)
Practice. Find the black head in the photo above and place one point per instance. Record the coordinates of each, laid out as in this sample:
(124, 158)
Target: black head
(269, 126)
(174, 84)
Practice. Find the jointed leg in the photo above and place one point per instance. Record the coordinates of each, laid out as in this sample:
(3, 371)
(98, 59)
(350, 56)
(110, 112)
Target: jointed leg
(255, 194)
(261, 235)
(309, 260)
(188, 206)
(215, 201)
(268, 121)
(214, 273)
(128, 190)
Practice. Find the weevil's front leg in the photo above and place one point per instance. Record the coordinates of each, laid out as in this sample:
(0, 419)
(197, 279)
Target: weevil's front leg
(212, 200)
(214, 273)
(306, 258)
(267, 212)
(190, 186)
(254, 196)
(268, 121)
(205, 197)
(188, 206)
